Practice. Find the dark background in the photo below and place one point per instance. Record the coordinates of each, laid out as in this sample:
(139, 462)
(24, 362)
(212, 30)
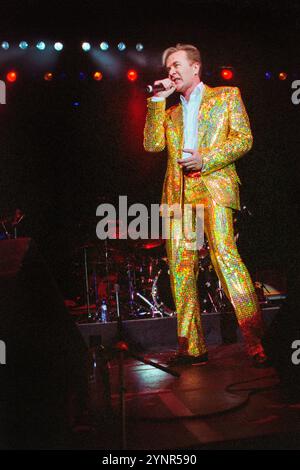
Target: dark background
(58, 161)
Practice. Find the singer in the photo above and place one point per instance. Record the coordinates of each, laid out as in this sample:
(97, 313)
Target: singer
(205, 133)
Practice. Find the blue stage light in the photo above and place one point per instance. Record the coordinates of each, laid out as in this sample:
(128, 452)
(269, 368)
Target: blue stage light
(104, 46)
(23, 45)
(86, 46)
(268, 75)
(121, 46)
(82, 76)
(5, 45)
(139, 47)
(41, 46)
(58, 46)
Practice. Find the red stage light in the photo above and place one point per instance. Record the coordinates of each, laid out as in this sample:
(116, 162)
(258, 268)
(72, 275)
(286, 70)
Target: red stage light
(48, 76)
(282, 76)
(227, 74)
(11, 76)
(132, 75)
(98, 76)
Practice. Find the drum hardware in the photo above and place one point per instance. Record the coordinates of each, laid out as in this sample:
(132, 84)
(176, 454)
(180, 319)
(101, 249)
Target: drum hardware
(261, 291)
(210, 297)
(154, 310)
(5, 234)
(160, 306)
(87, 287)
(220, 297)
(10, 224)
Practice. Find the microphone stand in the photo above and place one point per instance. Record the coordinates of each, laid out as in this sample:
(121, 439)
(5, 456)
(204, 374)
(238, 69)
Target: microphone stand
(122, 348)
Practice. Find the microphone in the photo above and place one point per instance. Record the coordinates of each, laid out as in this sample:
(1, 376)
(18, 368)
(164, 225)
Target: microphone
(155, 88)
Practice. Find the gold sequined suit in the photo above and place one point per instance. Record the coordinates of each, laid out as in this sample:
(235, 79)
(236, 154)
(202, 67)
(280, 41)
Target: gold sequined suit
(224, 135)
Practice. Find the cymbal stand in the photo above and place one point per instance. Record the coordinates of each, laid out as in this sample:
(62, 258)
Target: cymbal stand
(106, 268)
(221, 296)
(97, 303)
(154, 310)
(15, 225)
(5, 230)
(212, 301)
(131, 287)
(87, 287)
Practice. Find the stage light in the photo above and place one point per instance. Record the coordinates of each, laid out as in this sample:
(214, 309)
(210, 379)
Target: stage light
(86, 46)
(97, 76)
(5, 45)
(268, 75)
(282, 76)
(11, 76)
(23, 45)
(104, 46)
(76, 104)
(41, 46)
(82, 76)
(58, 46)
(139, 47)
(226, 74)
(121, 46)
(48, 76)
(132, 75)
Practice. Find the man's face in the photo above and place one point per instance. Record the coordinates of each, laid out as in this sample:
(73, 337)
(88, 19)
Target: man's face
(182, 71)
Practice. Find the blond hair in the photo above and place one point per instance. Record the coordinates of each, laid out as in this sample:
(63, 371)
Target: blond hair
(192, 53)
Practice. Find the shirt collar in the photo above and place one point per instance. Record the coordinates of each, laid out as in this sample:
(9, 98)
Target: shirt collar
(195, 93)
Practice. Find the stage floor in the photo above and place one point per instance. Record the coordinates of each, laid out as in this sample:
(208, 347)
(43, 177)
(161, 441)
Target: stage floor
(225, 404)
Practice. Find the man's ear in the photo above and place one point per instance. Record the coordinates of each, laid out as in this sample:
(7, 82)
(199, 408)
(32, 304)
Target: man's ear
(196, 67)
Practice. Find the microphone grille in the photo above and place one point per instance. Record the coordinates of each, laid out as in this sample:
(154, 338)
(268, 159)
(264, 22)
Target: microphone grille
(149, 88)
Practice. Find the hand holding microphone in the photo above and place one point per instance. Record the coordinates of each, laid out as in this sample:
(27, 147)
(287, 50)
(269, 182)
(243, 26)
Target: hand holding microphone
(162, 88)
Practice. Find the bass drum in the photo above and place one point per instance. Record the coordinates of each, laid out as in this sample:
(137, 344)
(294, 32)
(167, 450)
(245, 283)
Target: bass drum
(161, 290)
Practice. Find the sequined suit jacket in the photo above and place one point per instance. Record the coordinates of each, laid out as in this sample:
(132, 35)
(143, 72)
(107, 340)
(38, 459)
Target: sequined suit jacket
(224, 135)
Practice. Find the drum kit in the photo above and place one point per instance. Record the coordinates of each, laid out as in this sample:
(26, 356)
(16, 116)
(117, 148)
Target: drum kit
(139, 270)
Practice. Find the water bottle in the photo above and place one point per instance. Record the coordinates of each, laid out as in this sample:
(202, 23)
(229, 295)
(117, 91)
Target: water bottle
(103, 311)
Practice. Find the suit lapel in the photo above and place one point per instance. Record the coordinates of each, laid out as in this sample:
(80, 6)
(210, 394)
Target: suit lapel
(177, 119)
(177, 116)
(202, 115)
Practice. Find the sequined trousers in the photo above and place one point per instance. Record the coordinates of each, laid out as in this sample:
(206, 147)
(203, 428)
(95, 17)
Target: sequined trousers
(231, 271)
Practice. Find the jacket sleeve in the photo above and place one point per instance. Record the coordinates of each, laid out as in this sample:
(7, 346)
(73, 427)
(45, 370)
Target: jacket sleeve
(238, 142)
(154, 131)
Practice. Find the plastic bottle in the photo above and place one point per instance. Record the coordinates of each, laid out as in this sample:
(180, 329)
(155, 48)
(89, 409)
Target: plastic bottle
(103, 311)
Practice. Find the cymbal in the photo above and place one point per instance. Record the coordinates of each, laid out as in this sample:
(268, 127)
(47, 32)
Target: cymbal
(148, 244)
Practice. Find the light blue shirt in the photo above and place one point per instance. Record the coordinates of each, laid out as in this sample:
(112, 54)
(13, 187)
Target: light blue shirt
(190, 110)
(190, 118)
